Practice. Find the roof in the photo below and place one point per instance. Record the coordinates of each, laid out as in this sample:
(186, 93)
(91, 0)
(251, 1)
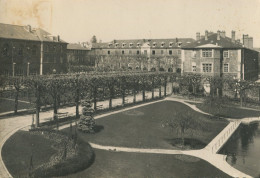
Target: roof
(213, 42)
(24, 33)
(76, 46)
(137, 43)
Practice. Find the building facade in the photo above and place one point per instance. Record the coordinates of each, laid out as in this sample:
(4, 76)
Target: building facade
(28, 51)
(140, 54)
(215, 54)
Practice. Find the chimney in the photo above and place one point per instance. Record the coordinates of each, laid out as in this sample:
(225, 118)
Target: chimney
(218, 35)
(198, 36)
(223, 34)
(248, 41)
(206, 35)
(245, 40)
(58, 38)
(29, 28)
(233, 36)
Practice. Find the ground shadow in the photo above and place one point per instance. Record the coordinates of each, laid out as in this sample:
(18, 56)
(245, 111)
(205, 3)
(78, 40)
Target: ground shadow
(98, 128)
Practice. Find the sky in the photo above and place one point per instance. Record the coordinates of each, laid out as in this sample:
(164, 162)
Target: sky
(79, 20)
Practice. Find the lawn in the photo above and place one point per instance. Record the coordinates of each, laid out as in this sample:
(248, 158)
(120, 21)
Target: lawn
(8, 105)
(229, 111)
(47, 150)
(121, 164)
(17, 150)
(142, 127)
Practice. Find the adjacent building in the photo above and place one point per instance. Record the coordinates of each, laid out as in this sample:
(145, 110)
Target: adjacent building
(215, 54)
(140, 54)
(29, 51)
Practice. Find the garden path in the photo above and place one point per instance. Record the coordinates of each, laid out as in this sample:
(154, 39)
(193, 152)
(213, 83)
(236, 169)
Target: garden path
(9, 126)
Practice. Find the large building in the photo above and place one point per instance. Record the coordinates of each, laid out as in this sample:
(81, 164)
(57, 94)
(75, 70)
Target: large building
(140, 54)
(215, 54)
(29, 51)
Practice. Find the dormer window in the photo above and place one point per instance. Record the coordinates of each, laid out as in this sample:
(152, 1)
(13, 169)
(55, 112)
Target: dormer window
(131, 44)
(116, 44)
(179, 44)
(138, 44)
(170, 44)
(110, 44)
(162, 44)
(123, 44)
(154, 44)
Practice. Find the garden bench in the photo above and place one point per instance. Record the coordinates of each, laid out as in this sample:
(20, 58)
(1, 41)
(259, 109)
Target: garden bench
(61, 115)
(100, 107)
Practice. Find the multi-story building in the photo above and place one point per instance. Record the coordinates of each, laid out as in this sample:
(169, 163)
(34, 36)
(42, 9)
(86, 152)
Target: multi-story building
(27, 51)
(140, 54)
(215, 54)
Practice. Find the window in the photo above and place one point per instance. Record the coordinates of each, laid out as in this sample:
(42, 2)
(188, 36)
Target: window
(225, 54)
(145, 51)
(123, 44)
(131, 44)
(116, 44)
(207, 53)
(162, 45)
(194, 53)
(153, 52)
(123, 52)
(20, 51)
(137, 52)
(130, 52)
(179, 52)
(161, 51)
(194, 67)
(109, 45)
(170, 52)
(34, 50)
(154, 44)
(171, 43)
(108, 52)
(207, 67)
(5, 50)
(138, 44)
(226, 68)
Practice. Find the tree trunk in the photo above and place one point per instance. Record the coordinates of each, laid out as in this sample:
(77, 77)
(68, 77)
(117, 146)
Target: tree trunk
(165, 88)
(143, 94)
(77, 103)
(123, 97)
(241, 98)
(160, 91)
(134, 92)
(16, 101)
(38, 107)
(95, 98)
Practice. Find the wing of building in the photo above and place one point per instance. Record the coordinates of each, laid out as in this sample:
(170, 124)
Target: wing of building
(26, 50)
(215, 54)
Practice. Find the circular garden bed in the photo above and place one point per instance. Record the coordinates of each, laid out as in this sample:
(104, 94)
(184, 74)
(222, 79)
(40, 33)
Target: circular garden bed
(46, 153)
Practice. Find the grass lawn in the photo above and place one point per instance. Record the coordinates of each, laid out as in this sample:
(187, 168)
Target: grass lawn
(229, 111)
(17, 150)
(121, 164)
(142, 127)
(8, 105)
(47, 149)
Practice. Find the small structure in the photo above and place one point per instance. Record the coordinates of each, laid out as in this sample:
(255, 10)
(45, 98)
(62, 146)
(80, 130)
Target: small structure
(87, 122)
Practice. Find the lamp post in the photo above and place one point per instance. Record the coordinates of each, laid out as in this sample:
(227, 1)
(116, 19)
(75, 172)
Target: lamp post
(28, 68)
(13, 60)
(13, 68)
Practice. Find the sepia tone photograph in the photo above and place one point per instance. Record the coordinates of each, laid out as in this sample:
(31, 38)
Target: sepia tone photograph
(129, 88)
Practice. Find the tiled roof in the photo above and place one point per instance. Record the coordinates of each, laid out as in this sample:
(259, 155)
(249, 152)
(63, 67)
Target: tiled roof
(137, 43)
(76, 46)
(22, 33)
(212, 39)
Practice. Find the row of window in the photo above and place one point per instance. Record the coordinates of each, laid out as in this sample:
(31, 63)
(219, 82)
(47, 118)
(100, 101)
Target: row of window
(207, 67)
(20, 50)
(209, 53)
(139, 44)
(53, 48)
(145, 52)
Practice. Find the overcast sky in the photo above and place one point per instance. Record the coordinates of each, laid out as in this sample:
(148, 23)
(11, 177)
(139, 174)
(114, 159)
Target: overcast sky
(79, 20)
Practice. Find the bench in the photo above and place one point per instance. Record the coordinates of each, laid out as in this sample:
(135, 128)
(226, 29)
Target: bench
(99, 107)
(61, 115)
